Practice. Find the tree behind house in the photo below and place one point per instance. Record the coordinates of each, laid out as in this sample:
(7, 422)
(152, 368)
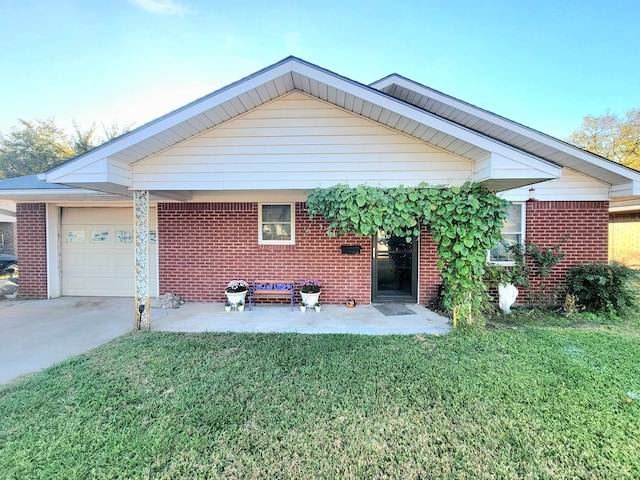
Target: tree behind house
(36, 146)
(611, 136)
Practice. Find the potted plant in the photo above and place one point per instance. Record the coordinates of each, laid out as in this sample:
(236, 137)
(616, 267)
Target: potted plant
(240, 306)
(303, 307)
(310, 292)
(227, 306)
(317, 306)
(236, 291)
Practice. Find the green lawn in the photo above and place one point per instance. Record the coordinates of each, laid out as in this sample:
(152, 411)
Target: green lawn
(513, 401)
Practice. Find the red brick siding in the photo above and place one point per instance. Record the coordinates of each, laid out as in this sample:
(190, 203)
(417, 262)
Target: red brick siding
(581, 228)
(202, 246)
(428, 274)
(32, 249)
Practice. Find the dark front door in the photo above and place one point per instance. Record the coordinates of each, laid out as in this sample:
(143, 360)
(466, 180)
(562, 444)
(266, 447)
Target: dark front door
(395, 269)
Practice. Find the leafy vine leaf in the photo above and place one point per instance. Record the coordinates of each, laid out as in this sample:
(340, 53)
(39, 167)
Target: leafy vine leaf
(465, 222)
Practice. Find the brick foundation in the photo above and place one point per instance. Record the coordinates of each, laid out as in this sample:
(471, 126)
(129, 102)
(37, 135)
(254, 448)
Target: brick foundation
(32, 249)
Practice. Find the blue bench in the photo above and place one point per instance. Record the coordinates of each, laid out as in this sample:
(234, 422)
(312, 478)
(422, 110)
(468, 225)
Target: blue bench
(272, 289)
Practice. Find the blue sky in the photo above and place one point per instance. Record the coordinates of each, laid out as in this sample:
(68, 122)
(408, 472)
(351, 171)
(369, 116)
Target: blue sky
(543, 63)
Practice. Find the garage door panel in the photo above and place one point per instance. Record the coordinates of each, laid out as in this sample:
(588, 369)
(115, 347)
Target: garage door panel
(104, 266)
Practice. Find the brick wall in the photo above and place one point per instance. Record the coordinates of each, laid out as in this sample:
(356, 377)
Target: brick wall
(429, 275)
(32, 249)
(202, 246)
(624, 238)
(581, 228)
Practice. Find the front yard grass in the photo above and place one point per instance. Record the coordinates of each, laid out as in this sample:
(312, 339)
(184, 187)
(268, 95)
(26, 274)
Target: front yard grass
(512, 401)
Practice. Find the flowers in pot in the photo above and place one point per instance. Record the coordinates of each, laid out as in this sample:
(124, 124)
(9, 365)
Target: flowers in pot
(310, 292)
(318, 307)
(236, 291)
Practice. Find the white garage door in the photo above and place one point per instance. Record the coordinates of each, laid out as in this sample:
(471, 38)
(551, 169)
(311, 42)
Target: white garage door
(98, 252)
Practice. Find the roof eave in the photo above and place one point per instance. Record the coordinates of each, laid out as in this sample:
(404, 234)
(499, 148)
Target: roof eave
(620, 174)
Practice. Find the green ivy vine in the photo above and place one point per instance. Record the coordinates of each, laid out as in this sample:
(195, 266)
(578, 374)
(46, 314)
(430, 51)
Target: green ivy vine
(465, 222)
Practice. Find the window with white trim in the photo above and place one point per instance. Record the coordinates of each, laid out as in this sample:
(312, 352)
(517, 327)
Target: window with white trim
(512, 233)
(276, 225)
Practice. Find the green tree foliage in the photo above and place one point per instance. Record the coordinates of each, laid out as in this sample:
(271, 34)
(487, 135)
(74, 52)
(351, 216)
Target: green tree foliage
(33, 148)
(611, 136)
(36, 146)
(114, 130)
(83, 140)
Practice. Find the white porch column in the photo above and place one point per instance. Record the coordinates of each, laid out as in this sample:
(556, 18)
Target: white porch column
(142, 312)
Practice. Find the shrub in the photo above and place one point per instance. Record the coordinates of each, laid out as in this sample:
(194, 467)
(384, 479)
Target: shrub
(602, 287)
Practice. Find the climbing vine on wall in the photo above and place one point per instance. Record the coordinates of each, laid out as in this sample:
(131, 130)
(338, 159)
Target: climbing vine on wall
(465, 222)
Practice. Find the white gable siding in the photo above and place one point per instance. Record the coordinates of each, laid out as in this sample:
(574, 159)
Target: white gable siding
(571, 186)
(298, 142)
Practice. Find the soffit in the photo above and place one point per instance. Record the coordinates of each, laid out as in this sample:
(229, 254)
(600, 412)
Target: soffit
(506, 131)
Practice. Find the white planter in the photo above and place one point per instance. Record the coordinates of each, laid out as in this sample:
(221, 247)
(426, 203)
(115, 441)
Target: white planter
(303, 308)
(507, 295)
(227, 308)
(317, 309)
(310, 299)
(241, 308)
(235, 298)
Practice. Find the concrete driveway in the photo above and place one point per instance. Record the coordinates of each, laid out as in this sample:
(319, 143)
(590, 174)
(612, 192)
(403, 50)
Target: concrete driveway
(35, 334)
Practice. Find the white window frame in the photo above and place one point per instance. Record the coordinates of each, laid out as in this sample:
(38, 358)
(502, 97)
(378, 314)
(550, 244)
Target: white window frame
(292, 241)
(523, 229)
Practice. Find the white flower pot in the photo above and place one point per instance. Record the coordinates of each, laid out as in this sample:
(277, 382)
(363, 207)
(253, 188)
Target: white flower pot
(241, 308)
(303, 308)
(235, 298)
(310, 299)
(227, 308)
(507, 295)
(317, 309)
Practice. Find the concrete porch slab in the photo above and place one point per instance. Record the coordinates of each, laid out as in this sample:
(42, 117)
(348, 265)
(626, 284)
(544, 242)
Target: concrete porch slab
(363, 319)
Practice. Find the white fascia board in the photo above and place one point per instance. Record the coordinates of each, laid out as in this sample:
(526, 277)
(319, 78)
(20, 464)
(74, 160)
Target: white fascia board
(508, 124)
(51, 194)
(168, 121)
